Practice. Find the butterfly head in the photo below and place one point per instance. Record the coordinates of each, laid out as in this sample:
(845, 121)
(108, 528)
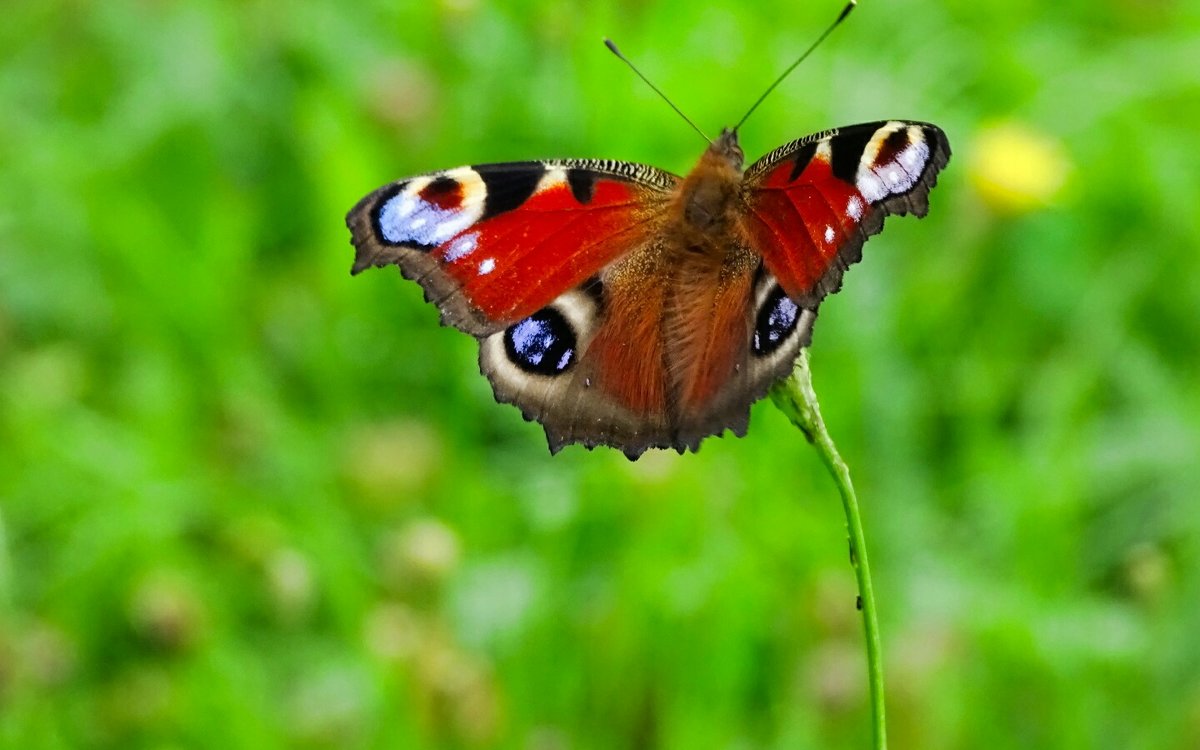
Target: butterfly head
(726, 147)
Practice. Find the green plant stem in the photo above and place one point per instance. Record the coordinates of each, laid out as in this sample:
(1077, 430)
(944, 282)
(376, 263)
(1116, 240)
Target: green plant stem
(796, 398)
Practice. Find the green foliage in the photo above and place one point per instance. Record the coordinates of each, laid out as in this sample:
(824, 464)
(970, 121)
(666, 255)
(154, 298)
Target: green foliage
(248, 501)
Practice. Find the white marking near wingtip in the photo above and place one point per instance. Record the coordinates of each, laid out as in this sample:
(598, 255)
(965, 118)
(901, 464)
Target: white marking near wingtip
(486, 266)
(914, 158)
(878, 181)
(871, 187)
(408, 204)
(407, 219)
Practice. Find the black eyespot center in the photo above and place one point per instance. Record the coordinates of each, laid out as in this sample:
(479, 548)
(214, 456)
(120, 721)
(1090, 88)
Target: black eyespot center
(776, 320)
(542, 344)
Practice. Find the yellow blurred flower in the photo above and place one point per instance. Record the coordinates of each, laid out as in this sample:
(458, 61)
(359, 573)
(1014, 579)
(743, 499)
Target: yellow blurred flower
(419, 557)
(1015, 168)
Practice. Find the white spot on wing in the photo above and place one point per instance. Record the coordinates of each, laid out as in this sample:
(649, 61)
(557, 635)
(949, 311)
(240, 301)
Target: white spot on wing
(461, 247)
(486, 266)
(829, 234)
(854, 207)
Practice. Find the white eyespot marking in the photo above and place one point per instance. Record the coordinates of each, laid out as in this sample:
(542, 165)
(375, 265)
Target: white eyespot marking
(902, 169)
(854, 207)
(486, 266)
(432, 209)
(871, 187)
(914, 158)
(393, 218)
(407, 205)
(829, 235)
(461, 247)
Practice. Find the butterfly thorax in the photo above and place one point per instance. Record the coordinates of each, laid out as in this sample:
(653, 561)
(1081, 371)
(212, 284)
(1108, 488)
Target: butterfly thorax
(708, 202)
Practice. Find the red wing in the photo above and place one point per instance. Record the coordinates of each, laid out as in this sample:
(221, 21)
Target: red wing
(813, 203)
(493, 244)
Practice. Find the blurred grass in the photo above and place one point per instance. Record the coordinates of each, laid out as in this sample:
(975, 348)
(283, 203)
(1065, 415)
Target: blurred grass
(248, 501)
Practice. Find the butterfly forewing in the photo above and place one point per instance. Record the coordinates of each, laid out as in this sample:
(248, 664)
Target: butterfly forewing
(493, 244)
(812, 203)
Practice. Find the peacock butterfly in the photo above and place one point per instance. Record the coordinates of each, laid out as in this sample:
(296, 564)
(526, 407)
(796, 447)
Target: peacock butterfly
(618, 304)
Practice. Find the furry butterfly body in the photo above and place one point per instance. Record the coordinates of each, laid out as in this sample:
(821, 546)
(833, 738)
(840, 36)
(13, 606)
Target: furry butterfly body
(621, 305)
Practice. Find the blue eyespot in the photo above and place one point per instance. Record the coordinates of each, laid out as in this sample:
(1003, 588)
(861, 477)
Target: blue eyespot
(543, 343)
(775, 322)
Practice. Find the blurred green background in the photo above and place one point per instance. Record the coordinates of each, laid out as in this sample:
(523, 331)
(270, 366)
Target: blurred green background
(247, 501)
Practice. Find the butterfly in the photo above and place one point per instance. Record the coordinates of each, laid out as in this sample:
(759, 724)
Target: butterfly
(618, 304)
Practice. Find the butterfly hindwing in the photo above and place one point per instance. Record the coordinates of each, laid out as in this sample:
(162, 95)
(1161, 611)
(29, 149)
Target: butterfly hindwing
(776, 328)
(812, 203)
(493, 244)
(579, 368)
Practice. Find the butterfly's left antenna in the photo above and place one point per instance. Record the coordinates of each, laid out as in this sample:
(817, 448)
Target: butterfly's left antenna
(613, 48)
(841, 17)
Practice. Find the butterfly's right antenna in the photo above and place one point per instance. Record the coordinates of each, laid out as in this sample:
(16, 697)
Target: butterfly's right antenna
(842, 17)
(613, 48)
